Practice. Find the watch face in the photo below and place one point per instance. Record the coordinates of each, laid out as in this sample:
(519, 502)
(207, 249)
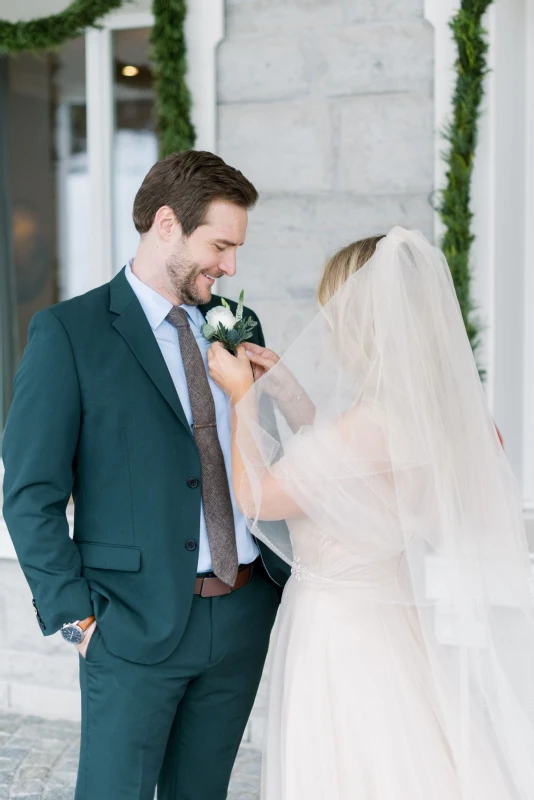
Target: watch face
(73, 634)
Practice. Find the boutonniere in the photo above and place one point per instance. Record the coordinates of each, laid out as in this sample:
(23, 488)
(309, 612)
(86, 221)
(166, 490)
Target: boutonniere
(222, 326)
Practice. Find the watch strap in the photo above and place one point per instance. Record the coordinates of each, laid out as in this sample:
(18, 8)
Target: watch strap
(85, 624)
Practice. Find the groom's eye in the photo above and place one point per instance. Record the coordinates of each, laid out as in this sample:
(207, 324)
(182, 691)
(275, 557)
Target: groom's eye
(219, 248)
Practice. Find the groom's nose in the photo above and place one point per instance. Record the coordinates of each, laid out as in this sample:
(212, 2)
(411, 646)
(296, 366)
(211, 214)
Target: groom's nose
(229, 265)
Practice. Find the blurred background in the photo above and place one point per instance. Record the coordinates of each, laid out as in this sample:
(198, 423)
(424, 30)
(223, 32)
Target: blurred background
(334, 109)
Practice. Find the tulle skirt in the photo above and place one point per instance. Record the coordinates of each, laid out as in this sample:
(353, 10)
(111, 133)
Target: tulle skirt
(353, 712)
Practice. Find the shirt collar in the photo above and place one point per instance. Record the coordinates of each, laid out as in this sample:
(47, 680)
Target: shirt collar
(155, 306)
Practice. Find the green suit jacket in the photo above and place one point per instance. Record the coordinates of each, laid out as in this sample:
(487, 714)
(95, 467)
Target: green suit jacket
(95, 413)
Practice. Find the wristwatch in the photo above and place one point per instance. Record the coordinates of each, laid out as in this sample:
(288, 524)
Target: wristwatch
(73, 632)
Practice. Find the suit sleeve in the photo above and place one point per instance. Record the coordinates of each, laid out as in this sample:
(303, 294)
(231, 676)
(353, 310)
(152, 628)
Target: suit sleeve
(39, 448)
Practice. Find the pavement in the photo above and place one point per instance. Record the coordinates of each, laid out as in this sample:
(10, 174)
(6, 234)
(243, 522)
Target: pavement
(39, 761)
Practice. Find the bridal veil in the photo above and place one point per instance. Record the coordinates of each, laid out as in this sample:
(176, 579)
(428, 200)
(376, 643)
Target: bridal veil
(396, 455)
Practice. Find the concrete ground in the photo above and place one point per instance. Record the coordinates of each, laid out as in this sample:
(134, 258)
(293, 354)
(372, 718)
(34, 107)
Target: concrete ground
(39, 759)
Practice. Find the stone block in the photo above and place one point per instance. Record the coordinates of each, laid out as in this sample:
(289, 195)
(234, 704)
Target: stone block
(261, 68)
(264, 16)
(386, 144)
(280, 146)
(372, 59)
(362, 11)
(281, 16)
(357, 60)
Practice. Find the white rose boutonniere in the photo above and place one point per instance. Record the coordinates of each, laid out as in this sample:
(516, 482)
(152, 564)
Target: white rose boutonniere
(222, 326)
(220, 315)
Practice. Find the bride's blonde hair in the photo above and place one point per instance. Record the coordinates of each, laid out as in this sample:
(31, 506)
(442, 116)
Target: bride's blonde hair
(343, 264)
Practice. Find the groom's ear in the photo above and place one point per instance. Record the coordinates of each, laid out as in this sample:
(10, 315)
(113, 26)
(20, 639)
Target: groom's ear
(166, 224)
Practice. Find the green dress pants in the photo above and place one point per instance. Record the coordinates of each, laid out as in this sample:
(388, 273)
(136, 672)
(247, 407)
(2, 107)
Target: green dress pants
(179, 723)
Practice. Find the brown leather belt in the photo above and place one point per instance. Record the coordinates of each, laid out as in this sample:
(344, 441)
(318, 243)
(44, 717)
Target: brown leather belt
(214, 587)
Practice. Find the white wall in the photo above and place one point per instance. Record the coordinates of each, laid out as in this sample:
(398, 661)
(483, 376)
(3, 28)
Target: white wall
(328, 108)
(503, 193)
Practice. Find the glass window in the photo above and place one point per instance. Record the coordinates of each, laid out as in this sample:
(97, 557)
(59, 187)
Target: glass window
(46, 188)
(135, 146)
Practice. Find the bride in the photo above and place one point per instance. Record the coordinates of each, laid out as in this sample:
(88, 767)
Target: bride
(403, 661)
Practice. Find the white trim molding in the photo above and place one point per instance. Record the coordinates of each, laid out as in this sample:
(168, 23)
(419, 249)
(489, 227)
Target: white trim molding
(204, 30)
(528, 433)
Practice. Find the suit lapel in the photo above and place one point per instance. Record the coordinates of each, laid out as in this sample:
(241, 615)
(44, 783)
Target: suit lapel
(135, 329)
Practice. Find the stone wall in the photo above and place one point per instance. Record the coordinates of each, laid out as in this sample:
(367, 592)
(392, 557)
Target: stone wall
(326, 105)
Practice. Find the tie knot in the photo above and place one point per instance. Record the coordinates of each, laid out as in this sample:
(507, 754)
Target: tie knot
(177, 316)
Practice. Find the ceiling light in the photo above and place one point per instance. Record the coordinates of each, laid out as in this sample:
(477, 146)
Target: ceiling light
(130, 72)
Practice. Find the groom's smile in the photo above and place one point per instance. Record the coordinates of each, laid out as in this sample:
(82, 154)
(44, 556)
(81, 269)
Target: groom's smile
(210, 252)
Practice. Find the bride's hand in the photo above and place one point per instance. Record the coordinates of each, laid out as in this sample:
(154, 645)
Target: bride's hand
(231, 373)
(261, 358)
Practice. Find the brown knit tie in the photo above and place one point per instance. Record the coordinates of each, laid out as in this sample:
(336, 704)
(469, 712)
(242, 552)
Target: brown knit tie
(218, 511)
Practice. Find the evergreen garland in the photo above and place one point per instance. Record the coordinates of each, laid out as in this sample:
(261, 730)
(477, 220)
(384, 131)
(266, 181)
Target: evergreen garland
(461, 133)
(49, 32)
(173, 99)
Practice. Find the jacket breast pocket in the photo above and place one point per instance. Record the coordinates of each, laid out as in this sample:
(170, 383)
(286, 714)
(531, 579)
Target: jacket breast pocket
(110, 556)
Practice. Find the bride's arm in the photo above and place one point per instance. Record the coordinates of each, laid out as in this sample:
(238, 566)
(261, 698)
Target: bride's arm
(234, 376)
(275, 503)
(290, 397)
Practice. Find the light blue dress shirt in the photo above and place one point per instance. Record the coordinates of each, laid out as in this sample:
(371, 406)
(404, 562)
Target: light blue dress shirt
(156, 308)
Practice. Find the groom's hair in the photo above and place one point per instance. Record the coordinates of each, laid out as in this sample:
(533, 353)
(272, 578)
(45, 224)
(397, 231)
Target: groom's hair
(188, 183)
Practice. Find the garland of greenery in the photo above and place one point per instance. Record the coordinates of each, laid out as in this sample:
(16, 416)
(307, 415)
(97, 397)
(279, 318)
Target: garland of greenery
(169, 60)
(169, 56)
(461, 134)
(49, 32)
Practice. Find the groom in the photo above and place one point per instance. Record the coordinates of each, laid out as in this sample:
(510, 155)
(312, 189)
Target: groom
(163, 590)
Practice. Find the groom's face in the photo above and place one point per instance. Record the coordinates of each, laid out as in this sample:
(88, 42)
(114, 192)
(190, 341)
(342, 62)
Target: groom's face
(207, 254)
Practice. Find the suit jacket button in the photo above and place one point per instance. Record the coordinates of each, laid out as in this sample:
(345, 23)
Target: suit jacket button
(193, 483)
(190, 544)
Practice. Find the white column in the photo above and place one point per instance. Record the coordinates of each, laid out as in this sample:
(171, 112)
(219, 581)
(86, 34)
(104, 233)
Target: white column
(503, 205)
(99, 83)
(204, 29)
(501, 228)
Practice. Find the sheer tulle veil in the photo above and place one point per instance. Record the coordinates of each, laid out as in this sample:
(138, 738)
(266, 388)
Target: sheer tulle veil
(406, 467)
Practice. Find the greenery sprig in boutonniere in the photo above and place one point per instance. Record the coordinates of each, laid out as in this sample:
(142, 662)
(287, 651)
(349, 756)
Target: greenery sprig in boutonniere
(222, 326)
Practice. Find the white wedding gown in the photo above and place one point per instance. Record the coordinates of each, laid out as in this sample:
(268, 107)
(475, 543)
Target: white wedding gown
(352, 712)
(383, 441)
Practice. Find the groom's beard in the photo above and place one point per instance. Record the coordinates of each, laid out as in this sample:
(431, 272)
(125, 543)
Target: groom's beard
(182, 275)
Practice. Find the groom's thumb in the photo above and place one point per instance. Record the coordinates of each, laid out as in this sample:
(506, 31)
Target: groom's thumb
(241, 353)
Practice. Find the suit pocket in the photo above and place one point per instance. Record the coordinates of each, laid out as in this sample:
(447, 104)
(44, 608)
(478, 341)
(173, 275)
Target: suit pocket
(92, 643)
(110, 556)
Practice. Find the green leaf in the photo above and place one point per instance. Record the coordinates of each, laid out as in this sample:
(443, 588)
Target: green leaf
(461, 135)
(207, 331)
(239, 313)
(225, 304)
